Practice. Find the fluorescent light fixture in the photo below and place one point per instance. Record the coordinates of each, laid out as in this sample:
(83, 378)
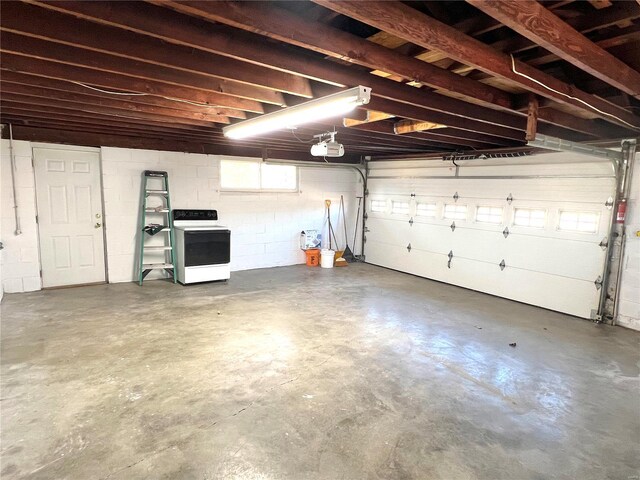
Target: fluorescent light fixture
(318, 109)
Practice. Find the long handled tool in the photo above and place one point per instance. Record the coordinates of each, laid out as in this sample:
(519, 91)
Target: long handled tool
(327, 204)
(348, 254)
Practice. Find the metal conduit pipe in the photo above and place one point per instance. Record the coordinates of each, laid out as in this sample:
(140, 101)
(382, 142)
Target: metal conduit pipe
(12, 155)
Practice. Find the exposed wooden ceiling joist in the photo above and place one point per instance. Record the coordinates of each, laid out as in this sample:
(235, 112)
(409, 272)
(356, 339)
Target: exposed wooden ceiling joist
(532, 20)
(408, 23)
(64, 29)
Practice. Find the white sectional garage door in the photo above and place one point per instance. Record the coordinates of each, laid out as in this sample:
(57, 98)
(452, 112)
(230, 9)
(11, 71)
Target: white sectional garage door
(530, 232)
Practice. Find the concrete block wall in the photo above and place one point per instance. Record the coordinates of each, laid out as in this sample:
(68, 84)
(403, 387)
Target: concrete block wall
(629, 305)
(265, 226)
(19, 258)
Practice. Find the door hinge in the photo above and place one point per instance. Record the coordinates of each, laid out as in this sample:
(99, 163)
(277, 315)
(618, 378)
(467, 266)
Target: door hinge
(502, 265)
(453, 226)
(604, 243)
(505, 232)
(411, 221)
(455, 197)
(510, 199)
(450, 256)
(609, 203)
(598, 282)
(409, 248)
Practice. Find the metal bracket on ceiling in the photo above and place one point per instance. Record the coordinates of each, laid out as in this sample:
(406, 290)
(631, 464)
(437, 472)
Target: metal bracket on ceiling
(453, 226)
(510, 199)
(411, 221)
(450, 256)
(409, 248)
(598, 282)
(502, 264)
(505, 232)
(455, 197)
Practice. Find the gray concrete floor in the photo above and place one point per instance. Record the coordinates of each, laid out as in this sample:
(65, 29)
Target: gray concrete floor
(300, 373)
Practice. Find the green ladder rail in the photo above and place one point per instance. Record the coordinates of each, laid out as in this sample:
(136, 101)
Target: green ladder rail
(165, 209)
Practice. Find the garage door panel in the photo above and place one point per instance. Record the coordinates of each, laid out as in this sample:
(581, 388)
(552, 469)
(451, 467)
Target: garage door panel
(389, 231)
(569, 258)
(478, 244)
(553, 266)
(430, 237)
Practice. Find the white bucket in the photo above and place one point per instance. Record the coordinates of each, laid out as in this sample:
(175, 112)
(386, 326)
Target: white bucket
(326, 258)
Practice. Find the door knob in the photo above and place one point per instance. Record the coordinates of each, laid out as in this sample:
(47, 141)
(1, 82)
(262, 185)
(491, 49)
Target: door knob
(97, 225)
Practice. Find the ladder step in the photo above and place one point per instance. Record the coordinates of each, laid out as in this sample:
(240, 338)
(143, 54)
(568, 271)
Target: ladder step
(156, 266)
(154, 248)
(153, 210)
(156, 192)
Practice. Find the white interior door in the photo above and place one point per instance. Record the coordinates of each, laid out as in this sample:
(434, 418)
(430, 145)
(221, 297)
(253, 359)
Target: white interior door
(70, 221)
(534, 232)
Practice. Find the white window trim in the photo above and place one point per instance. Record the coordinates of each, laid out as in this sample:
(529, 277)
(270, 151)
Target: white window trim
(255, 190)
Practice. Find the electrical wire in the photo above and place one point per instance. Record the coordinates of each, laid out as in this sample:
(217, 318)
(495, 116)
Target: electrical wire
(513, 67)
(133, 94)
(299, 139)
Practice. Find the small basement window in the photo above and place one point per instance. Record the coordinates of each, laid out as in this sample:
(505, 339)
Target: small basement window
(489, 215)
(250, 175)
(529, 217)
(583, 222)
(455, 212)
(426, 209)
(400, 208)
(378, 206)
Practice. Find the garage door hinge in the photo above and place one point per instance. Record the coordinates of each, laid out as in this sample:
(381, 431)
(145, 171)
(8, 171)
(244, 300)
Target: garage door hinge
(505, 232)
(450, 257)
(409, 248)
(411, 221)
(413, 195)
(453, 226)
(598, 282)
(366, 215)
(455, 197)
(502, 264)
(609, 203)
(364, 240)
(604, 243)
(510, 199)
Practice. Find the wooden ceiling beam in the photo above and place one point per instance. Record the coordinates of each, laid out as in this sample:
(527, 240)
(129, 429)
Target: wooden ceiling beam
(125, 141)
(123, 83)
(532, 20)
(56, 52)
(404, 21)
(119, 111)
(282, 25)
(30, 81)
(60, 28)
(161, 23)
(98, 102)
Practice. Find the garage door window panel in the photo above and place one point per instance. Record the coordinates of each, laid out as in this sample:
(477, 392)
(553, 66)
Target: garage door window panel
(582, 222)
(529, 217)
(455, 212)
(428, 210)
(378, 206)
(399, 208)
(486, 214)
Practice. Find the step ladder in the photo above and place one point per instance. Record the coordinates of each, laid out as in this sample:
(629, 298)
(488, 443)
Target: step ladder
(167, 250)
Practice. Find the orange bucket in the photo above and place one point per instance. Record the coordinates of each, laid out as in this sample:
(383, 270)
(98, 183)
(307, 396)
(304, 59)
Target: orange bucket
(313, 257)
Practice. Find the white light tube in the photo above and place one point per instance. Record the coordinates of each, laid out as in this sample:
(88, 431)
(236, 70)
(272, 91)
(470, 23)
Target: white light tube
(311, 111)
